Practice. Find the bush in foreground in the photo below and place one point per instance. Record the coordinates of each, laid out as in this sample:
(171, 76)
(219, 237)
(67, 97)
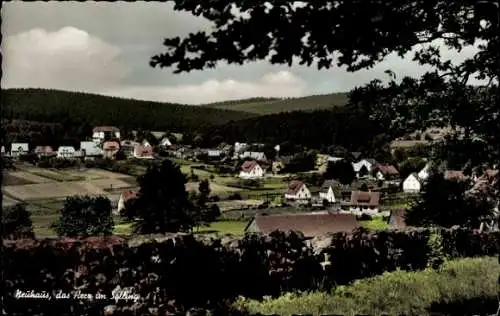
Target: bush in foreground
(458, 284)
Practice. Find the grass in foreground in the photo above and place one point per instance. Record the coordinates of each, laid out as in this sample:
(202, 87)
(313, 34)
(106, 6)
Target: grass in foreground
(377, 223)
(395, 293)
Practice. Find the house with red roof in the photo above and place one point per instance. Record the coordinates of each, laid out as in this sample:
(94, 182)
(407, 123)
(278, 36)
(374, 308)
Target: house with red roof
(309, 224)
(101, 133)
(386, 172)
(251, 169)
(143, 152)
(298, 191)
(110, 148)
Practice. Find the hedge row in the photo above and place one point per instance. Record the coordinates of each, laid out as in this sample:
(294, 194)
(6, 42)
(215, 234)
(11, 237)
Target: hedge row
(184, 271)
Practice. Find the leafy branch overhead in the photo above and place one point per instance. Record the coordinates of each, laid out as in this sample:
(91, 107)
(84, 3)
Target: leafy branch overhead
(356, 34)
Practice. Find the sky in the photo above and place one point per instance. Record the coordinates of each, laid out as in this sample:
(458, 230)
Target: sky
(105, 48)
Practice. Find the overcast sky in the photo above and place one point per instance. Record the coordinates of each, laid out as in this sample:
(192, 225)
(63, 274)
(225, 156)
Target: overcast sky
(105, 48)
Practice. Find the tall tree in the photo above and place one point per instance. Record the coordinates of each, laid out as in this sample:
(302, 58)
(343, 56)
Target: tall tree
(340, 170)
(204, 214)
(83, 216)
(445, 203)
(162, 204)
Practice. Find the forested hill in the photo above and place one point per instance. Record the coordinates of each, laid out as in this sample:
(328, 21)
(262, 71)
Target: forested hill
(265, 106)
(62, 106)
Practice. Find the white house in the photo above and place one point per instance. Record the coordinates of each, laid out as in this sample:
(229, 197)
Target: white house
(3, 150)
(413, 183)
(18, 149)
(369, 164)
(90, 149)
(165, 142)
(251, 170)
(124, 197)
(145, 143)
(100, 133)
(257, 155)
(297, 190)
(66, 152)
(213, 153)
(363, 203)
(328, 191)
(425, 172)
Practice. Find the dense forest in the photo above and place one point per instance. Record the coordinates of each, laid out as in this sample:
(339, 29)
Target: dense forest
(51, 117)
(62, 106)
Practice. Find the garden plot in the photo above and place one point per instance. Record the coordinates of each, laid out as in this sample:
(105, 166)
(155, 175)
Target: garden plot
(101, 174)
(54, 175)
(214, 188)
(52, 190)
(33, 178)
(8, 201)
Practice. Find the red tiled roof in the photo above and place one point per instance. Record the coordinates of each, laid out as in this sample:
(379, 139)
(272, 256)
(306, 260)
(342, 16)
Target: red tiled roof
(387, 169)
(105, 129)
(143, 151)
(248, 165)
(365, 198)
(43, 149)
(111, 145)
(309, 224)
(127, 195)
(294, 187)
(454, 175)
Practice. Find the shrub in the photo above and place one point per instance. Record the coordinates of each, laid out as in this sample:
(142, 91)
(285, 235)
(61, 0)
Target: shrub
(16, 222)
(364, 217)
(234, 196)
(85, 216)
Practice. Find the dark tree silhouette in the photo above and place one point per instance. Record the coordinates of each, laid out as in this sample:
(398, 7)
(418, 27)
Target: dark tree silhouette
(83, 216)
(445, 203)
(16, 222)
(162, 204)
(340, 170)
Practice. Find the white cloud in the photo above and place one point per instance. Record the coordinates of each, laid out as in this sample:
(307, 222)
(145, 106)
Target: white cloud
(68, 59)
(280, 84)
(71, 59)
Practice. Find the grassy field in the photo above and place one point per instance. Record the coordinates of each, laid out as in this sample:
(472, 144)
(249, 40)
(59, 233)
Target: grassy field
(459, 284)
(9, 179)
(219, 228)
(272, 106)
(376, 223)
(60, 176)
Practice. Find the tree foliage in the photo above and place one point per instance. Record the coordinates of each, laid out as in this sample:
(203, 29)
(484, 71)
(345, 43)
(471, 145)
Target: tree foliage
(162, 204)
(203, 214)
(445, 203)
(340, 170)
(16, 222)
(83, 216)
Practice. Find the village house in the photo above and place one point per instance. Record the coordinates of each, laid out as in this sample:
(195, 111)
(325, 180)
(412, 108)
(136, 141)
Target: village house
(128, 147)
(102, 133)
(386, 172)
(110, 149)
(363, 203)
(425, 173)
(66, 152)
(365, 165)
(18, 149)
(90, 149)
(298, 191)
(146, 143)
(251, 169)
(329, 190)
(256, 155)
(413, 183)
(44, 151)
(2, 150)
(124, 197)
(165, 142)
(309, 224)
(143, 152)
